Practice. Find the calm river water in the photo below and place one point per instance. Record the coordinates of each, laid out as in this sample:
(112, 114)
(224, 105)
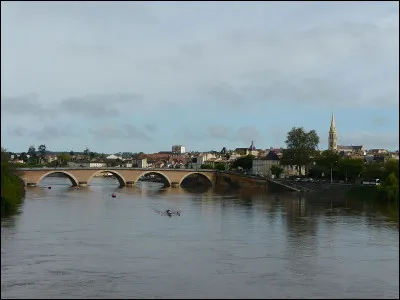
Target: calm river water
(85, 244)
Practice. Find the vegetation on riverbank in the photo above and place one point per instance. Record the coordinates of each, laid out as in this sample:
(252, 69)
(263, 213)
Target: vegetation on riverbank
(386, 194)
(12, 188)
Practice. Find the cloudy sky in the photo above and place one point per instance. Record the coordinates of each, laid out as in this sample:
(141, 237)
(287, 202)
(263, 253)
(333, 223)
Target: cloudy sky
(132, 76)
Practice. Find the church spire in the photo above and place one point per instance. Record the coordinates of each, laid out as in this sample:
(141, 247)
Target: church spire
(332, 140)
(333, 122)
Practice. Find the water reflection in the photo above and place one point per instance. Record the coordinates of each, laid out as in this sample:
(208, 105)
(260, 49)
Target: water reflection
(85, 244)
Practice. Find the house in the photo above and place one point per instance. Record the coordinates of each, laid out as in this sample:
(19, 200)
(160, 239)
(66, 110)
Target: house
(247, 151)
(200, 160)
(378, 151)
(262, 165)
(345, 150)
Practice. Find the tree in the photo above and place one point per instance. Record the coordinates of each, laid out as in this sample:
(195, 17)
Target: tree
(92, 154)
(245, 162)
(327, 158)
(277, 171)
(391, 166)
(220, 167)
(390, 188)
(32, 151)
(23, 156)
(42, 150)
(373, 171)
(350, 168)
(86, 151)
(64, 159)
(301, 147)
(71, 153)
(206, 166)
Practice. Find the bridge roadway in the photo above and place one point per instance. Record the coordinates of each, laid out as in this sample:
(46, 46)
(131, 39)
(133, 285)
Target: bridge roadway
(125, 176)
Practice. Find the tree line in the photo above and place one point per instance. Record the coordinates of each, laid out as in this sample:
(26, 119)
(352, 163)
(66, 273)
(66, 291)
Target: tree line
(12, 187)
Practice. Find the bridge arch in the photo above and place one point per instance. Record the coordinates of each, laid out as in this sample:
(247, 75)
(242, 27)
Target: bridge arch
(71, 177)
(120, 178)
(155, 172)
(196, 173)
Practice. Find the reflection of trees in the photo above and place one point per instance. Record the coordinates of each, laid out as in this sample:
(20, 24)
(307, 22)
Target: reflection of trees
(301, 234)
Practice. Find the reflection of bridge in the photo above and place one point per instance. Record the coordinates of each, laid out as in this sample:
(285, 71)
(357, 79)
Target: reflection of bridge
(125, 176)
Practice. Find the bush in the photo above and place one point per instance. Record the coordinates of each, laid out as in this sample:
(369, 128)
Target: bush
(12, 189)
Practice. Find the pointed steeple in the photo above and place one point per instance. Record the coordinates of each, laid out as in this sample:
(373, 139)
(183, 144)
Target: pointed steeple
(332, 141)
(333, 122)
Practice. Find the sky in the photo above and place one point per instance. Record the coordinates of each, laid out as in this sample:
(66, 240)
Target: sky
(135, 76)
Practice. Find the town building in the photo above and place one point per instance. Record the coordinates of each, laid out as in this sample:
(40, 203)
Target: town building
(178, 149)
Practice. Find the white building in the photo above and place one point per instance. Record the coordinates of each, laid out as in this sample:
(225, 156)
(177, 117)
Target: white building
(112, 156)
(179, 149)
(86, 164)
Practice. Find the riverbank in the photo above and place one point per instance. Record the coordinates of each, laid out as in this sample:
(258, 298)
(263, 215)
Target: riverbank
(372, 196)
(12, 187)
(12, 193)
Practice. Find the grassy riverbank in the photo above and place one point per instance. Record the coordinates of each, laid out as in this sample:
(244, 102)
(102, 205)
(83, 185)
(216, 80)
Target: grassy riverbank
(12, 188)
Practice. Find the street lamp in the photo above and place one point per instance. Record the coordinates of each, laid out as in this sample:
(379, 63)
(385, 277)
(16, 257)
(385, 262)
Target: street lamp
(332, 168)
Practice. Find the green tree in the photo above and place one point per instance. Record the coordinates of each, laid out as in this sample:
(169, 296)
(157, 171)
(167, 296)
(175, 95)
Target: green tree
(23, 156)
(32, 151)
(391, 166)
(327, 158)
(63, 159)
(317, 171)
(12, 187)
(206, 166)
(92, 155)
(71, 153)
(389, 188)
(86, 151)
(276, 171)
(301, 147)
(373, 171)
(245, 162)
(220, 167)
(42, 150)
(349, 169)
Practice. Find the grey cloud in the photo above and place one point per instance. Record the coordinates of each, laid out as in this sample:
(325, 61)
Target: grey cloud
(246, 134)
(126, 131)
(45, 133)
(220, 132)
(150, 127)
(28, 104)
(190, 134)
(102, 105)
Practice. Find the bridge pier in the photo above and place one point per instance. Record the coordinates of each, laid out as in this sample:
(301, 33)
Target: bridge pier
(130, 183)
(31, 184)
(83, 183)
(175, 184)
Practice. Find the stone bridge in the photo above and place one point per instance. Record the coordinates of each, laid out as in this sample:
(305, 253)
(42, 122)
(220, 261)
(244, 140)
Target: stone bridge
(125, 176)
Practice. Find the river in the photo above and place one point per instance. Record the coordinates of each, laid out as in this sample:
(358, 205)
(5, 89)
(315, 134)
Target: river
(83, 243)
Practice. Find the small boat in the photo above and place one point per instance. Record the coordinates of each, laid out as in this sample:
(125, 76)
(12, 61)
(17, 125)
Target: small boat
(113, 195)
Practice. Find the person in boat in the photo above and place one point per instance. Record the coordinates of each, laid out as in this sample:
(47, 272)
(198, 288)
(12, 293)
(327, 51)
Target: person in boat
(169, 212)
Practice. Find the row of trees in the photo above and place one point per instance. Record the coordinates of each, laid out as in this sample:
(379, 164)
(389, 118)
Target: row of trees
(12, 188)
